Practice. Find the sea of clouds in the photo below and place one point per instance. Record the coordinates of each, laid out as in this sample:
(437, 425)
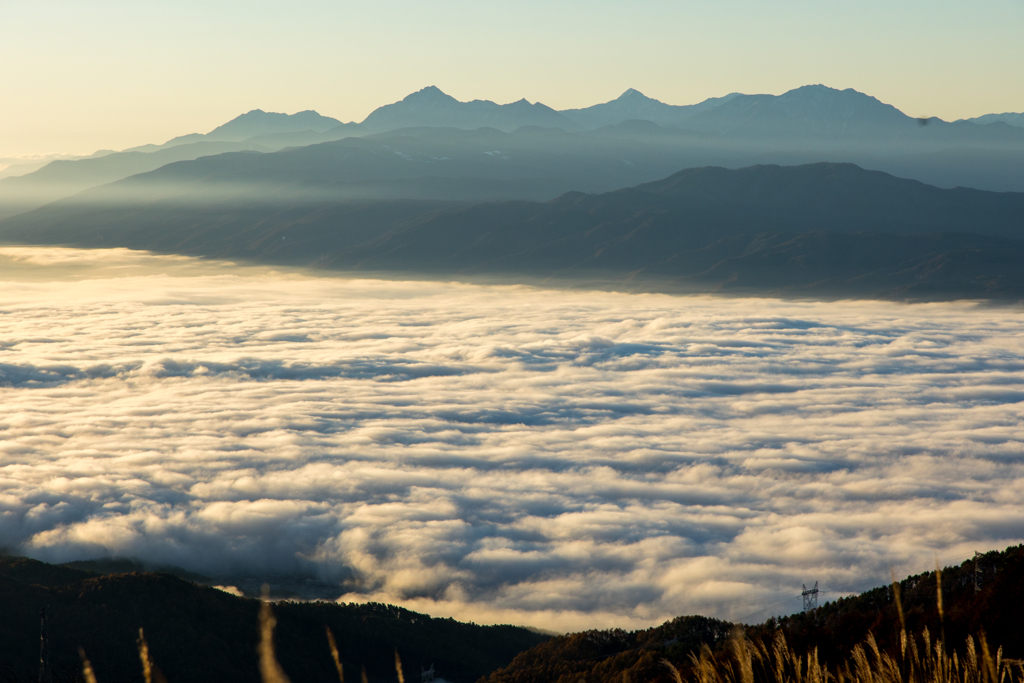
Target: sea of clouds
(502, 454)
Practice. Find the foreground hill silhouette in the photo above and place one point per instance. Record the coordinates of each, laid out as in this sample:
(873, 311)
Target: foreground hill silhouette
(819, 230)
(199, 633)
(834, 629)
(202, 634)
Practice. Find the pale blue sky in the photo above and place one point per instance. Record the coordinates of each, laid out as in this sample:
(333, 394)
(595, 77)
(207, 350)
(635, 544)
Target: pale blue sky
(80, 76)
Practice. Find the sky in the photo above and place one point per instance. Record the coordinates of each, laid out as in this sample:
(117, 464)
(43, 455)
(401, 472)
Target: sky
(110, 74)
(566, 460)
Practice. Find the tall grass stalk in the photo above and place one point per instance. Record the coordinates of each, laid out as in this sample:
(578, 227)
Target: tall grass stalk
(919, 660)
(398, 667)
(938, 593)
(334, 654)
(87, 673)
(899, 601)
(147, 663)
(270, 670)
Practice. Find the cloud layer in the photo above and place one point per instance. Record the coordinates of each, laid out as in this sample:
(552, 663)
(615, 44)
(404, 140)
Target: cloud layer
(568, 460)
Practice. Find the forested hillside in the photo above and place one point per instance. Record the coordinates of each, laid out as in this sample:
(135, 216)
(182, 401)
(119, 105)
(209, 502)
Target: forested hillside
(834, 629)
(203, 634)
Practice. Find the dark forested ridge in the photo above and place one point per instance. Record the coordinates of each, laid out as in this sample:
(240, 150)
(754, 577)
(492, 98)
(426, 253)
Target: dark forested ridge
(816, 230)
(200, 633)
(615, 656)
(203, 634)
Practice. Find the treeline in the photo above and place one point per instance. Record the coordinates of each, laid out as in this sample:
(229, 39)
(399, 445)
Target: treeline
(200, 634)
(834, 629)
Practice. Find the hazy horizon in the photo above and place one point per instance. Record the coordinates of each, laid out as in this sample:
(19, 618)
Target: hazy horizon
(115, 75)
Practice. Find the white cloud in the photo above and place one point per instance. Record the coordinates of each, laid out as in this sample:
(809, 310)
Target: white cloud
(562, 459)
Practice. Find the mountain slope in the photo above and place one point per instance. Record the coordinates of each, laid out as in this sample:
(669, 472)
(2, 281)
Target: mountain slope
(420, 163)
(614, 656)
(199, 633)
(816, 230)
(1011, 118)
(255, 124)
(259, 122)
(817, 112)
(60, 179)
(256, 130)
(430, 107)
(628, 140)
(633, 105)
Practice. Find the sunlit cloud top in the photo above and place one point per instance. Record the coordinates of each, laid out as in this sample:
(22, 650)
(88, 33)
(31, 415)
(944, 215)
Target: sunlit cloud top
(502, 454)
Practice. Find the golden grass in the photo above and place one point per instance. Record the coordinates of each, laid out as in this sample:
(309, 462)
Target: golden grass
(270, 670)
(147, 662)
(87, 673)
(398, 667)
(919, 660)
(334, 654)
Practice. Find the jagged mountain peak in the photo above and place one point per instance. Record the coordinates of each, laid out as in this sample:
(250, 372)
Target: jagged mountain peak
(429, 93)
(258, 122)
(818, 87)
(430, 107)
(820, 92)
(634, 95)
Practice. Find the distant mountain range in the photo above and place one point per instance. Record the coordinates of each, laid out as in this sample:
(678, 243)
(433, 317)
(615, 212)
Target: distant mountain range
(1008, 118)
(64, 178)
(819, 230)
(430, 107)
(633, 105)
(252, 126)
(11, 167)
(436, 187)
(812, 123)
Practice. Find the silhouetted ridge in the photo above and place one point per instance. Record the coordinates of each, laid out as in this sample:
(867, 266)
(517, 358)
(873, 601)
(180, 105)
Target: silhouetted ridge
(432, 108)
(821, 230)
(615, 655)
(813, 111)
(639, 139)
(633, 94)
(202, 634)
(258, 122)
(429, 94)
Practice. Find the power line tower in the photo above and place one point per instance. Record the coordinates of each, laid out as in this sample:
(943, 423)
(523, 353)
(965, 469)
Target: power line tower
(44, 649)
(977, 572)
(810, 596)
(427, 675)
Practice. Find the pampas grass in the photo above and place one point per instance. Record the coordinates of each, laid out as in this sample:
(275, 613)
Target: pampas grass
(334, 654)
(919, 660)
(270, 670)
(147, 663)
(398, 667)
(87, 673)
